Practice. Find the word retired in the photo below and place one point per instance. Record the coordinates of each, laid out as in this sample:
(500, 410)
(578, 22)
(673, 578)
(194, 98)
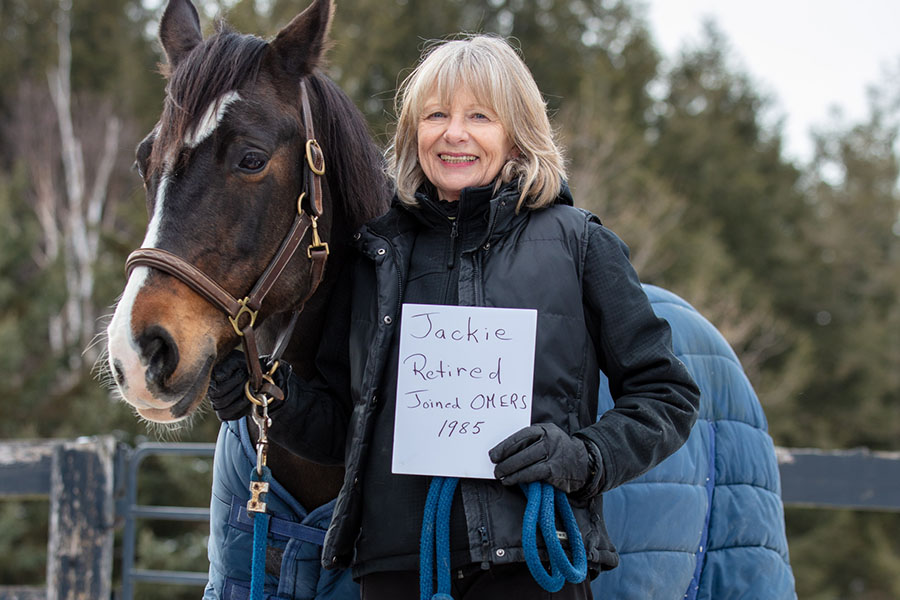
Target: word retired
(418, 362)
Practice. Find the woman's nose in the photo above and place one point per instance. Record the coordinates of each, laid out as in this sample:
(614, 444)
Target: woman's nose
(456, 130)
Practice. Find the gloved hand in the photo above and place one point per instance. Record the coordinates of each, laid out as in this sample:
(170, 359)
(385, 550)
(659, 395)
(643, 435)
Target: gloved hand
(544, 452)
(226, 386)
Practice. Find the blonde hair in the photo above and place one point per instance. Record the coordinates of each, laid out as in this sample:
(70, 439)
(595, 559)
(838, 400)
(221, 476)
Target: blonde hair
(498, 78)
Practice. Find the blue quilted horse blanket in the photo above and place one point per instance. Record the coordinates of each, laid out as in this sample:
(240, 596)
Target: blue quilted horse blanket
(708, 522)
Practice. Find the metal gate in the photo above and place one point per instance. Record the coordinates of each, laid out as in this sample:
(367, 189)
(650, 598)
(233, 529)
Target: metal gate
(131, 512)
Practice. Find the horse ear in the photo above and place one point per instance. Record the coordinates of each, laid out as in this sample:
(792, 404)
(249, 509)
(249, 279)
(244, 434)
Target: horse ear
(179, 30)
(299, 47)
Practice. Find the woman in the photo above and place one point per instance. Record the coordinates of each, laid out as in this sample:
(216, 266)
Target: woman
(483, 217)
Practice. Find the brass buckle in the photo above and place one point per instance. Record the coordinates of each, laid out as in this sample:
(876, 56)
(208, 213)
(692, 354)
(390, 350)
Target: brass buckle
(244, 309)
(311, 160)
(317, 242)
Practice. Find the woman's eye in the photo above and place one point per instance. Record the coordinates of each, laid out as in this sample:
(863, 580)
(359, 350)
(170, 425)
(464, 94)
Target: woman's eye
(253, 162)
(435, 115)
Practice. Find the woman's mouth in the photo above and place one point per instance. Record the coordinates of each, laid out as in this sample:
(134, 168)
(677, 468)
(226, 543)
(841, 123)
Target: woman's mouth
(457, 158)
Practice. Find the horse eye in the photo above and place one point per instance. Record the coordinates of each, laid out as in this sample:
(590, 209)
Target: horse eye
(253, 162)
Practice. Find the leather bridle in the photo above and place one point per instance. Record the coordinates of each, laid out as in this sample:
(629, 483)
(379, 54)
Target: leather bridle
(242, 314)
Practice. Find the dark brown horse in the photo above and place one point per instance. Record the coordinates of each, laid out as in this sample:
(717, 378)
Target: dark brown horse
(223, 170)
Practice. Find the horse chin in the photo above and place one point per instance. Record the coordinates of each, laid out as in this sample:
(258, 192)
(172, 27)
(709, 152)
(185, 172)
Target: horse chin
(175, 406)
(159, 415)
(179, 410)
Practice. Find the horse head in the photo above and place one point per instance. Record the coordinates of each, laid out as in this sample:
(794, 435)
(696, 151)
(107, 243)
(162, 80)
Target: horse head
(225, 171)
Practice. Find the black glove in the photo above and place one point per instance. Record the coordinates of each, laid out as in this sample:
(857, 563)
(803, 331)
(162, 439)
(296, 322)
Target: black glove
(544, 452)
(226, 386)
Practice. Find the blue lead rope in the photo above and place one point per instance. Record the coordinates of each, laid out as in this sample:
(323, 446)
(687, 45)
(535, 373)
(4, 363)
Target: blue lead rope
(436, 536)
(540, 510)
(543, 500)
(260, 533)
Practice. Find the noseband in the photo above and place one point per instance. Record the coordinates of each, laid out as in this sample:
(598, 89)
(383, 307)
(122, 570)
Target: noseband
(242, 313)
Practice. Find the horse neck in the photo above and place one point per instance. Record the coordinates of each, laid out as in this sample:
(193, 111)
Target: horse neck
(304, 345)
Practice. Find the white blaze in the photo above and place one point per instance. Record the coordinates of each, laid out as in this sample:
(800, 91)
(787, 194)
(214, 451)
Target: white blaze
(122, 346)
(211, 119)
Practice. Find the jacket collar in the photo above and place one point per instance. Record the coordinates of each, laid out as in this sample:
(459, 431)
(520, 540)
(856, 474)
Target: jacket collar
(502, 215)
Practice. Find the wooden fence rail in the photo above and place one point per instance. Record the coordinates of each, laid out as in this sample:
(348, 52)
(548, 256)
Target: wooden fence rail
(81, 479)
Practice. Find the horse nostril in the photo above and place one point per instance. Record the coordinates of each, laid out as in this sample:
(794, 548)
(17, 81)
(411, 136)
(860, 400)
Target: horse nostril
(118, 373)
(159, 351)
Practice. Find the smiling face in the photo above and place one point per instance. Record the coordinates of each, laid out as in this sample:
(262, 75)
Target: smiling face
(461, 143)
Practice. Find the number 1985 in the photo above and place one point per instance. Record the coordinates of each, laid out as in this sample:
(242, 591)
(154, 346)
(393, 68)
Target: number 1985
(449, 428)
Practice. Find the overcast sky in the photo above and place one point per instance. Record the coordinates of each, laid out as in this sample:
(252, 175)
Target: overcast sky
(811, 55)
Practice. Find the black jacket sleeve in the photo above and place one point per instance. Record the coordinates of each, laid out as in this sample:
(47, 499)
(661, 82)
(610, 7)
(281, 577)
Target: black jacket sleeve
(656, 400)
(313, 420)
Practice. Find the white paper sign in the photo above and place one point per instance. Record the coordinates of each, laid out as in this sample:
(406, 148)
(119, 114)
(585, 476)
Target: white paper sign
(463, 385)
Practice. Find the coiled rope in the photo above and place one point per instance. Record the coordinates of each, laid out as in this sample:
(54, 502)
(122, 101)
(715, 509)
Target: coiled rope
(540, 510)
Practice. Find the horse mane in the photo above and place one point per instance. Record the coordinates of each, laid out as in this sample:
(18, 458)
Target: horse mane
(355, 165)
(226, 61)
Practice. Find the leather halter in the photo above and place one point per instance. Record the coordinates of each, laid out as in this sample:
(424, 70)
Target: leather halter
(242, 313)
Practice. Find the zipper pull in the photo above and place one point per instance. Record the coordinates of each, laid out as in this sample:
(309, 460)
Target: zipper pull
(454, 236)
(485, 548)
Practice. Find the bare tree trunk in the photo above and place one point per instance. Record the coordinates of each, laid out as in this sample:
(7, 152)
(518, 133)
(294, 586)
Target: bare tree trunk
(83, 212)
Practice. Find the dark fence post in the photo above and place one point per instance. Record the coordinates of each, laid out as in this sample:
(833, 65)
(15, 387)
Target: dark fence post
(82, 513)
(78, 478)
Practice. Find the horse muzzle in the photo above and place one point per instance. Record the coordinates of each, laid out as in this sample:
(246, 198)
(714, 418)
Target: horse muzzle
(162, 349)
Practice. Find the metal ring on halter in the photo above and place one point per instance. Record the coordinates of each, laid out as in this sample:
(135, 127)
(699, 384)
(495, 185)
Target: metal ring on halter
(253, 398)
(266, 377)
(300, 203)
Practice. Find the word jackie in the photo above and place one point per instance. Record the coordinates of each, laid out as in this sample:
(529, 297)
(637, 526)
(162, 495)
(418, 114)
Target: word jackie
(424, 327)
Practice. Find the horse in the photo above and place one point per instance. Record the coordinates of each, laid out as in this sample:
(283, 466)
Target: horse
(229, 170)
(223, 169)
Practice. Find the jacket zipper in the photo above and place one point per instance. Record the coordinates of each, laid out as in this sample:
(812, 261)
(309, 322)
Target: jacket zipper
(485, 548)
(454, 237)
(478, 257)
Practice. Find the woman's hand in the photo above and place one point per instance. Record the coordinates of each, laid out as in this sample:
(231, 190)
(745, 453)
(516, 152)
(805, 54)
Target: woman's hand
(227, 381)
(544, 452)
(226, 388)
